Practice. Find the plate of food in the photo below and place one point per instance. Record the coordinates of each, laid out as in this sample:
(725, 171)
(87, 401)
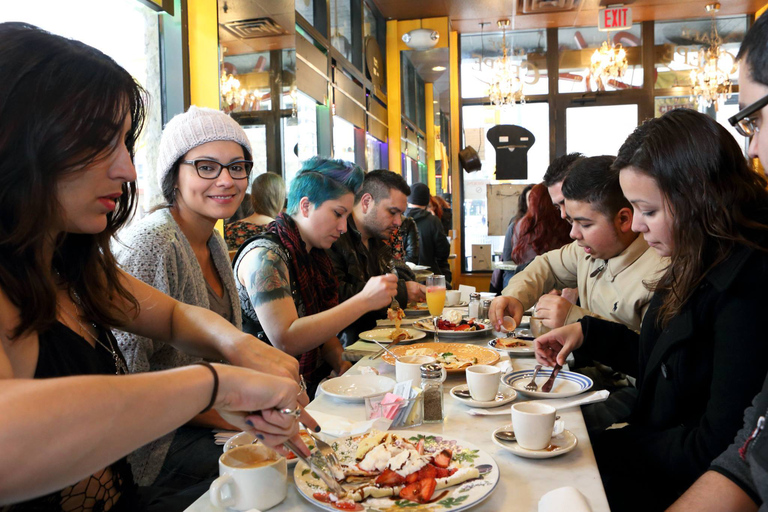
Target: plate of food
(566, 383)
(416, 309)
(390, 334)
(403, 470)
(513, 346)
(455, 357)
(248, 438)
(453, 325)
(356, 388)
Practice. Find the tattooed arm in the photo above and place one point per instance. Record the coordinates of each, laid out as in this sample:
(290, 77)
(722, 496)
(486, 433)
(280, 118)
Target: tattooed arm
(265, 276)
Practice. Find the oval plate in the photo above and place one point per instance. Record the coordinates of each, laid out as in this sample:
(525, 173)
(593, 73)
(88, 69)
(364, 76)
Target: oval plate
(426, 326)
(459, 497)
(507, 394)
(462, 351)
(356, 388)
(566, 383)
(382, 335)
(526, 350)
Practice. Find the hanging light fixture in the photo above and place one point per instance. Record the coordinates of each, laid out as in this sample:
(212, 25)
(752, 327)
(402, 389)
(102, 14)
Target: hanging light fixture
(505, 88)
(609, 62)
(710, 79)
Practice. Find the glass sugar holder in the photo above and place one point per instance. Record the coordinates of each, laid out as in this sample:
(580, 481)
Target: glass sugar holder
(432, 392)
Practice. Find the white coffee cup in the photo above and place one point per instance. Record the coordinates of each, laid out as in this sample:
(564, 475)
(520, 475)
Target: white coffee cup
(483, 382)
(533, 423)
(252, 476)
(409, 368)
(452, 297)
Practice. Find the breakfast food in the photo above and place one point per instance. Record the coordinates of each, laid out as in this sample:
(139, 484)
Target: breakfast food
(397, 334)
(510, 343)
(465, 324)
(382, 465)
(449, 360)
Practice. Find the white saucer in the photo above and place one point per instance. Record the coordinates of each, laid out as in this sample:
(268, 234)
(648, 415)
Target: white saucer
(561, 444)
(509, 395)
(356, 388)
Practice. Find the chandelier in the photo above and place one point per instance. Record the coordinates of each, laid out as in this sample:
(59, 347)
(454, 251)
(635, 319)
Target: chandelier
(505, 88)
(231, 94)
(710, 80)
(609, 62)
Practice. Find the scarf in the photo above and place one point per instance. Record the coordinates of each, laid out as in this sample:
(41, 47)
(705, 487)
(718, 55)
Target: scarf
(316, 281)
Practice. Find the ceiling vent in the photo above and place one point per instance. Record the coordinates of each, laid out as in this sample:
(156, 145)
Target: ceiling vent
(547, 6)
(253, 28)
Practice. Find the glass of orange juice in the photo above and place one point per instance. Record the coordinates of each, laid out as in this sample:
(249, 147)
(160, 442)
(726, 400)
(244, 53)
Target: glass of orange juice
(435, 298)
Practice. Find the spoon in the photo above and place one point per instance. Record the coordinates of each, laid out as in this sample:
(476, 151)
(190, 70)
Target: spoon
(506, 436)
(385, 349)
(464, 393)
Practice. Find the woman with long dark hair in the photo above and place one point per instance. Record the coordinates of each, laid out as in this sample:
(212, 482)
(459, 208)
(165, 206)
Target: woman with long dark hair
(69, 121)
(540, 230)
(699, 358)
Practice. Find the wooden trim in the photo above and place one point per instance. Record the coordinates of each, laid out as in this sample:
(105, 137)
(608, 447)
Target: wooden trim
(429, 114)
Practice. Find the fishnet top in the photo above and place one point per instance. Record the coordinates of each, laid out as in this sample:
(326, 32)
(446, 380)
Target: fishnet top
(65, 353)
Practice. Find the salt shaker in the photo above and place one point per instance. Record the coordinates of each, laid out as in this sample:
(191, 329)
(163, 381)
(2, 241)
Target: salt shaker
(432, 392)
(474, 305)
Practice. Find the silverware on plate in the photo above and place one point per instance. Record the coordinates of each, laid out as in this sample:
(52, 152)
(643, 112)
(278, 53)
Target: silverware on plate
(318, 463)
(547, 387)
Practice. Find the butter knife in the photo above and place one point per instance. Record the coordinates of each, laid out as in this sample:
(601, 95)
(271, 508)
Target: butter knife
(319, 466)
(547, 387)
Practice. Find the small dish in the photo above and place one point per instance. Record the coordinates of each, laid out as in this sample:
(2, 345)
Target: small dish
(566, 383)
(382, 334)
(356, 388)
(561, 444)
(526, 347)
(507, 396)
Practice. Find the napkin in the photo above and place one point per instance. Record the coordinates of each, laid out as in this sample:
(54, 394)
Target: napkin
(586, 398)
(564, 498)
(363, 346)
(465, 291)
(337, 426)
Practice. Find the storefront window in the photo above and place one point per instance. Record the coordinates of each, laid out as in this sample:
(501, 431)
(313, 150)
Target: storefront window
(299, 136)
(343, 139)
(246, 84)
(576, 46)
(341, 27)
(375, 153)
(257, 136)
(480, 54)
(599, 130)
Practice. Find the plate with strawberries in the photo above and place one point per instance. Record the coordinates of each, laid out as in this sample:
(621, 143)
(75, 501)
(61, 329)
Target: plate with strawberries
(403, 469)
(454, 328)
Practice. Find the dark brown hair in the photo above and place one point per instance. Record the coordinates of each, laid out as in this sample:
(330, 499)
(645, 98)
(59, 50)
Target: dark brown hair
(541, 228)
(62, 105)
(713, 195)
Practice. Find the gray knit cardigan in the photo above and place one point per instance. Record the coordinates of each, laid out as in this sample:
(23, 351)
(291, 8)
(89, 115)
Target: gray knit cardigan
(155, 251)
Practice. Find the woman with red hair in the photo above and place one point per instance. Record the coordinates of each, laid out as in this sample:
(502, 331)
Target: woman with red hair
(540, 230)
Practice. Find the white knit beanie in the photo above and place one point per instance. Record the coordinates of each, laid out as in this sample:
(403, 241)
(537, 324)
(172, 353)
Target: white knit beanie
(196, 126)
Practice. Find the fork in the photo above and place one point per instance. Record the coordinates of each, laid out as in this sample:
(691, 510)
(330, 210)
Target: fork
(394, 305)
(319, 464)
(327, 451)
(532, 386)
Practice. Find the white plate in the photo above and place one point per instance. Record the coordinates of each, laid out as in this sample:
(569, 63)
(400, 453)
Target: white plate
(566, 383)
(527, 350)
(356, 388)
(453, 334)
(560, 444)
(382, 334)
(459, 497)
(508, 396)
(414, 266)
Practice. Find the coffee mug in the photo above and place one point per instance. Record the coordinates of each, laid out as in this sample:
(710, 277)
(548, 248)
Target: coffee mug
(483, 382)
(452, 297)
(252, 476)
(409, 368)
(533, 423)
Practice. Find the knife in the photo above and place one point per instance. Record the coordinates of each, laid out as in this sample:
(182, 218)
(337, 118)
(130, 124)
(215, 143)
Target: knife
(381, 352)
(319, 464)
(547, 387)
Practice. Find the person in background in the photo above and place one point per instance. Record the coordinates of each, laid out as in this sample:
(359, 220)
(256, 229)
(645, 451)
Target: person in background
(434, 248)
(540, 230)
(69, 151)
(553, 179)
(738, 478)
(404, 241)
(361, 253)
(267, 200)
(500, 278)
(699, 358)
(446, 215)
(286, 282)
(202, 170)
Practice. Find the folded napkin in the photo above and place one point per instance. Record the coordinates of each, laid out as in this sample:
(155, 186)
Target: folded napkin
(363, 346)
(337, 426)
(562, 499)
(586, 398)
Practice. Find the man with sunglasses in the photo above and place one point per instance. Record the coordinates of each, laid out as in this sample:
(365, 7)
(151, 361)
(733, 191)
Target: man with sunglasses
(738, 478)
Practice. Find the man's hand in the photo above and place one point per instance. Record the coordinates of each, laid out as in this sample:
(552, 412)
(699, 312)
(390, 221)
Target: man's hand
(552, 310)
(502, 306)
(553, 347)
(379, 290)
(416, 292)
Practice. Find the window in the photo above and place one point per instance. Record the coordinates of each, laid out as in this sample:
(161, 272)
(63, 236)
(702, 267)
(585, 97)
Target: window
(299, 136)
(341, 27)
(599, 130)
(343, 139)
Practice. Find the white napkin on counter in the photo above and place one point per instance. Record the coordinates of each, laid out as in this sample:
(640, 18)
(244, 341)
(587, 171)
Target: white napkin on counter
(564, 499)
(465, 291)
(586, 398)
(337, 426)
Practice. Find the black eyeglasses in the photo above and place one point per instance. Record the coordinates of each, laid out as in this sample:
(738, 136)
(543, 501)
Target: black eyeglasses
(211, 169)
(744, 124)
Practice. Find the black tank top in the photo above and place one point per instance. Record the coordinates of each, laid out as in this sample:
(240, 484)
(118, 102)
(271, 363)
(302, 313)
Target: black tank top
(64, 353)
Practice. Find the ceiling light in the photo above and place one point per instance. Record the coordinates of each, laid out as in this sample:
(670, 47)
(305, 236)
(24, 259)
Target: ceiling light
(421, 39)
(711, 78)
(506, 88)
(439, 68)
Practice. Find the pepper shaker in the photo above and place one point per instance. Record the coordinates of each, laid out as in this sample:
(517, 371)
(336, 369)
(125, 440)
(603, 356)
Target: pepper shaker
(432, 391)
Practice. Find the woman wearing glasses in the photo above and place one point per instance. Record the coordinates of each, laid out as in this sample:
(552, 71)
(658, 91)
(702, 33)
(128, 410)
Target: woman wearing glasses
(202, 169)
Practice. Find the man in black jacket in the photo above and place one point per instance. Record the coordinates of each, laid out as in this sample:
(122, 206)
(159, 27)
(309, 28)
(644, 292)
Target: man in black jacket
(361, 253)
(434, 248)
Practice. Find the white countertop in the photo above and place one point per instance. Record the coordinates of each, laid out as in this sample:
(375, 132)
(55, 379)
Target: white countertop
(523, 481)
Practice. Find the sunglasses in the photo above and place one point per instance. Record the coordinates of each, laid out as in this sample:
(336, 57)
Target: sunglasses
(744, 124)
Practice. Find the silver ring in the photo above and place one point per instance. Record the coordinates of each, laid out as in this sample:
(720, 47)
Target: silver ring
(291, 412)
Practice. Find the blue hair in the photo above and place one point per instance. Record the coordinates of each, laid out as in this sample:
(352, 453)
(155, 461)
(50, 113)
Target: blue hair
(323, 179)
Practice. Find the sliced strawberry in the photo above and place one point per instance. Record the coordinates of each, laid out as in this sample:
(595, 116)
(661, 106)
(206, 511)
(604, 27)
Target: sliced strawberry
(443, 458)
(444, 472)
(428, 471)
(348, 505)
(322, 496)
(389, 478)
(427, 489)
(420, 447)
(413, 477)
(464, 327)
(411, 491)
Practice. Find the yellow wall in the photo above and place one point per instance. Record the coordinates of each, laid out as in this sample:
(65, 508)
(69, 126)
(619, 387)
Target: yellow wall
(393, 97)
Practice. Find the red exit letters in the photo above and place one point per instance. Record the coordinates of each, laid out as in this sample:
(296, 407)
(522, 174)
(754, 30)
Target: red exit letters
(614, 18)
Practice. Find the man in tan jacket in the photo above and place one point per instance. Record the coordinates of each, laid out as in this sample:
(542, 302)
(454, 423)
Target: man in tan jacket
(608, 263)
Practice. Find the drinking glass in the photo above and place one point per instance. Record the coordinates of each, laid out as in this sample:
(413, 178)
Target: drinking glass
(435, 298)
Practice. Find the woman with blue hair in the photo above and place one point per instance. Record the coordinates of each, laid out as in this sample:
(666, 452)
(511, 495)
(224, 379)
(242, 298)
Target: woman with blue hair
(285, 280)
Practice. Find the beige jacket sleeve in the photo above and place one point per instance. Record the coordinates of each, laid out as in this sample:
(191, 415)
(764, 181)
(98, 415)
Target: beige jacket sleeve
(554, 269)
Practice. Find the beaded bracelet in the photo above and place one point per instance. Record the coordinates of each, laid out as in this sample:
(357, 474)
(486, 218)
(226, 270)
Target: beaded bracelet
(215, 384)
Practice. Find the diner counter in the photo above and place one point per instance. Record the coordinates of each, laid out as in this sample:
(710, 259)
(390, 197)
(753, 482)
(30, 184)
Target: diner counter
(522, 481)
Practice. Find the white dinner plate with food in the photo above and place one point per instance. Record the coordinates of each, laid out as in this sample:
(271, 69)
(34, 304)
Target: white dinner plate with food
(503, 397)
(566, 383)
(475, 477)
(513, 346)
(356, 388)
(417, 309)
(560, 444)
(386, 334)
(455, 357)
(244, 438)
(457, 330)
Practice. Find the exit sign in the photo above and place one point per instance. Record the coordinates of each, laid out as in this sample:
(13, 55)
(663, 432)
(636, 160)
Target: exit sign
(614, 18)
